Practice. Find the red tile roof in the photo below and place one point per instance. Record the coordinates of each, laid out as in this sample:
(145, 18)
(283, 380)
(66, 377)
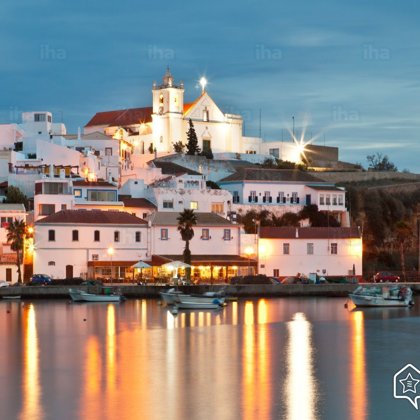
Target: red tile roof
(125, 117)
(94, 217)
(138, 202)
(122, 117)
(287, 232)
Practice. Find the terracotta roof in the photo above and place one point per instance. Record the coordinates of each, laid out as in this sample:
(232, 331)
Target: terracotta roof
(94, 217)
(137, 202)
(275, 175)
(170, 168)
(169, 218)
(83, 183)
(122, 117)
(287, 232)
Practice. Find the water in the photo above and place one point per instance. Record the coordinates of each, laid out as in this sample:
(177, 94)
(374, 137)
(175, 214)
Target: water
(294, 358)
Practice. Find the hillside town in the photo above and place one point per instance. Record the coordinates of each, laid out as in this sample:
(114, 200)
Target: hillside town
(103, 199)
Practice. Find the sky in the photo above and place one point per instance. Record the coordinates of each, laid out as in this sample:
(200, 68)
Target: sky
(348, 71)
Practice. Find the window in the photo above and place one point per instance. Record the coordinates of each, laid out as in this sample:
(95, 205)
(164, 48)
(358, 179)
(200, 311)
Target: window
(51, 235)
(75, 235)
(334, 199)
(51, 262)
(206, 145)
(164, 234)
(96, 236)
(39, 117)
(194, 205)
(205, 234)
(295, 198)
(321, 199)
(77, 192)
(328, 200)
(54, 188)
(276, 272)
(253, 197)
(286, 248)
(281, 198)
(274, 152)
(334, 248)
(108, 151)
(5, 221)
(310, 248)
(267, 198)
(236, 196)
(168, 204)
(64, 207)
(117, 236)
(46, 209)
(96, 195)
(340, 199)
(226, 235)
(205, 115)
(138, 236)
(95, 257)
(217, 208)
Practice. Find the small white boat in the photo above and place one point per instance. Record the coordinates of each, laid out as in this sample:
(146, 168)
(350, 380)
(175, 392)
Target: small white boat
(170, 296)
(209, 298)
(82, 296)
(198, 305)
(382, 295)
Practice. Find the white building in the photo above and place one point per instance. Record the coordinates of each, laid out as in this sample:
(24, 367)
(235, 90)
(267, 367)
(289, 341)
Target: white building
(89, 243)
(283, 190)
(8, 214)
(286, 251)
(215, 247)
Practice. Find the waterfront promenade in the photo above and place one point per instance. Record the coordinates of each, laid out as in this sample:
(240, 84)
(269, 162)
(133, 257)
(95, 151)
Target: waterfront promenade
(152, 291)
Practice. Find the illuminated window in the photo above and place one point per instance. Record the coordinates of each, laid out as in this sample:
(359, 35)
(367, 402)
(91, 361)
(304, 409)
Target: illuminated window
(217, 208)
(77, 192)
(194, 205)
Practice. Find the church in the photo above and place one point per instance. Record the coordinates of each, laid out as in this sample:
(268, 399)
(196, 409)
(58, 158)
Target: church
(156, 128)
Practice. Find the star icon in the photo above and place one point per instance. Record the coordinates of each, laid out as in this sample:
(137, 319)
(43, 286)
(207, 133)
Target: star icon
(409, 384)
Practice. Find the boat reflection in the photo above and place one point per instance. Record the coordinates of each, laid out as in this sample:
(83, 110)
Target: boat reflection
(31, 389)
(301, 386)
(358, 388)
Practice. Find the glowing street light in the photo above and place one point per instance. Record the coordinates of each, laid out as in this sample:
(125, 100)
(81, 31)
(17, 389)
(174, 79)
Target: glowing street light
(110, 252)
(203, 84)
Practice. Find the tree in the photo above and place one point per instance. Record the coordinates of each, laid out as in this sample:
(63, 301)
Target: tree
(404, 235)
(186, 220)
(379, 162)
(179, 147)
(192, 143)
(15, 195)
(16, 232)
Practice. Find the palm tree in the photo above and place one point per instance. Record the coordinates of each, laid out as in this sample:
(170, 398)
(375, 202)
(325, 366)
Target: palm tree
(16, 232)
(186, 220)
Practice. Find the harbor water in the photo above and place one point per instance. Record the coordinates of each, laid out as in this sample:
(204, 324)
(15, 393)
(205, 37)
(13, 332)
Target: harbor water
(279, 358)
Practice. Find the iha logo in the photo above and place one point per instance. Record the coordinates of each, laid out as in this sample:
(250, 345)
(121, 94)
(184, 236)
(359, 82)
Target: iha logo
(407, 384)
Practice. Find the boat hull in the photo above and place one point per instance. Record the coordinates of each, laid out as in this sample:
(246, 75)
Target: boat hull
(202, 299)
(81, 296)
(197, 305)
(170, 297)
(378, 301)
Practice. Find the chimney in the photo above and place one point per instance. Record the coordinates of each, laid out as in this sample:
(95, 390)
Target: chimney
(297, 232)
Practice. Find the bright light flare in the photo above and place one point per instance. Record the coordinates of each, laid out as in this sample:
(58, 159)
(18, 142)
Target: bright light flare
(203, 83)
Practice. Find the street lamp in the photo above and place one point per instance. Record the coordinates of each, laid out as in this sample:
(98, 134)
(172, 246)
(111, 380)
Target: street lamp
(110, 252)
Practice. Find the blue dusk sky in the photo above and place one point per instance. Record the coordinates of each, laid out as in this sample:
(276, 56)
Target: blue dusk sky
(348, 70)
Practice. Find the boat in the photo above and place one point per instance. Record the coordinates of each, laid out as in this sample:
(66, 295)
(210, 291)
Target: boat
(382, 295)
(82, 296)
(170, 296)
(205, 298)
(11, 297)
(198, 305)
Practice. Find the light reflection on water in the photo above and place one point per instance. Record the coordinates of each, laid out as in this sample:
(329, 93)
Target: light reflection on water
(262, 358)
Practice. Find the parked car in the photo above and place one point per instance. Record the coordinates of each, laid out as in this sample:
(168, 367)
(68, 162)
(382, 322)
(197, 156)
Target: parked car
(40, 279)
(257, 279)
(4, 283)
(385, 276)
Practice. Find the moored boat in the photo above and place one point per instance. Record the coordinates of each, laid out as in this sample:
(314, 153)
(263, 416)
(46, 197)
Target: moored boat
(170, 296)
(382, 296)
(199, 305)
(82, 296)
(202, 299)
